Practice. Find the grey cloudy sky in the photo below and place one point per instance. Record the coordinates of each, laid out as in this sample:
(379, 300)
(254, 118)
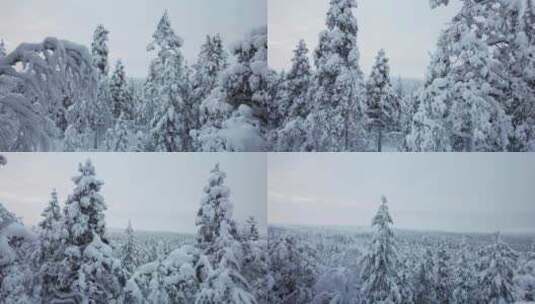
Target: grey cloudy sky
(157, 191)
(131, 23)
(431, 191)
(406, 29)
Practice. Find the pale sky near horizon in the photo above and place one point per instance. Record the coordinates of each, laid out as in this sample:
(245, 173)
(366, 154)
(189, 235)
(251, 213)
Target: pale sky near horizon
(157, 191)
(458, 192)
(407, 30)
(131, 24)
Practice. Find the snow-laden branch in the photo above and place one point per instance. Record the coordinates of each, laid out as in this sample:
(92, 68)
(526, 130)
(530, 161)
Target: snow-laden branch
(49, 76)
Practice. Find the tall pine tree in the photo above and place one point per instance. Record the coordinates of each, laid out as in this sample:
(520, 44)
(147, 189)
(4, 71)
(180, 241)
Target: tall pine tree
(336, 92)
(50, 236)
(120, 96)
(382, 108)
(292, 102)
(380, 279)
(164, 105)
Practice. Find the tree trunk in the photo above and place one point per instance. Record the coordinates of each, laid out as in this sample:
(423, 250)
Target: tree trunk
(379, 139)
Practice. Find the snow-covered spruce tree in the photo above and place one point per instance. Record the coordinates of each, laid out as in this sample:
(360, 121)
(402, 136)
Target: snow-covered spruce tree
(164, 105)
(495, 284)
(90, 272)
(99, 49)
(426, 134)
(51, 246)
(217, 237)
(252, 229)
(443, 280)
(235, 114)
(382, 107)
(292, 271)
(501, 29)
(212, 60)
(464, 278)
(226, 284)
(292, 102)
(118, 138)
(298, 79)
(336, 91)
(103, 106)
(129, 251)
(120, 96)
(468, 116)
(423, 282)
(215, 208)
(254, 264)
(510, 31)
(380, 280)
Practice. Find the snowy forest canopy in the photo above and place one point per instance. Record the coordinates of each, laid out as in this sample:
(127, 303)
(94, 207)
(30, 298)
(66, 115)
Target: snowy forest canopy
(478, 93)
(60, 96)
(322, 265)
(71, 257)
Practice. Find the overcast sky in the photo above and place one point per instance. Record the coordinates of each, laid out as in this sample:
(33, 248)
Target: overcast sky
(131, 23)
(432, 191)
(407, 30)
(157, 191)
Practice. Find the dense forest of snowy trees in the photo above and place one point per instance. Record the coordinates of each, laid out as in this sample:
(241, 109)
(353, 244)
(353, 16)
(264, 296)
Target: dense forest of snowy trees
(60, 96)
(478, 93)
(384, 265)
(71, 257)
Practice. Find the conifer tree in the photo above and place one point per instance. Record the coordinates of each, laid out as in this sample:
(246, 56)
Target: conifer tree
(99, 50)
(120, 96)
(336, 92)
(218, 238)
(495, 285)
(212, 60)
(241, 102)
(129, 252)
(298, 79)
(292, 102)
(380, 271)
(292, 270)
(164, 105)
(50, 236)
(90, 271)
(443, 281)
(252, 229)
(101, 107)
(381, 108)
(118, 137)
(226, 284)
(470, 105)
(424, 284)
(464, 278)
(215, 208)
